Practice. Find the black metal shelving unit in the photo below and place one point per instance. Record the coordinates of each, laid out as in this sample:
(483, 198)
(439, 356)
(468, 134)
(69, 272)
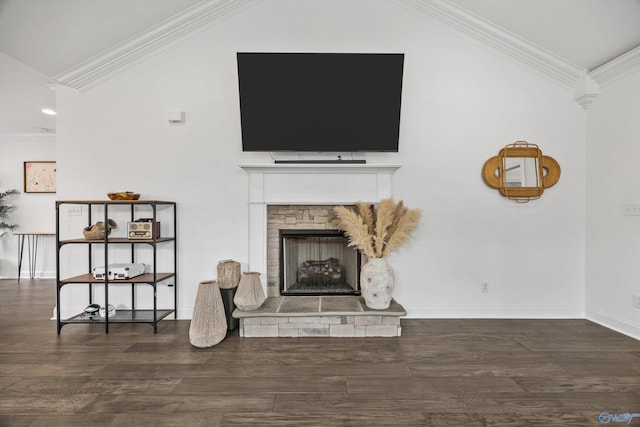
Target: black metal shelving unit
(152, 278)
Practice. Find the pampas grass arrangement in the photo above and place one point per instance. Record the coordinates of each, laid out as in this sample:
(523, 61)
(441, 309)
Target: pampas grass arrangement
(377, 230)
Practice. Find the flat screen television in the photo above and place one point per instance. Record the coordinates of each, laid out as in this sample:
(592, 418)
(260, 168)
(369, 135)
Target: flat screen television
(322, 102)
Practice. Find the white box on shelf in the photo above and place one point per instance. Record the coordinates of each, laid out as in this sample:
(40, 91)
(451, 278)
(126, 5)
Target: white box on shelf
(119, 271)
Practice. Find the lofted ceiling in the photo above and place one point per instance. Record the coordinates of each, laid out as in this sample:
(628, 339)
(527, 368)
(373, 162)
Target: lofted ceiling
(51, 37)
(588, 33)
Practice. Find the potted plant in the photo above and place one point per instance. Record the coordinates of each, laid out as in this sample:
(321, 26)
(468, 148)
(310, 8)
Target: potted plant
(5, 210)
(377, 231)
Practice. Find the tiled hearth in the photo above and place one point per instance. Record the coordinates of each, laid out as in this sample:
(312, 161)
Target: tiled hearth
(320, 316)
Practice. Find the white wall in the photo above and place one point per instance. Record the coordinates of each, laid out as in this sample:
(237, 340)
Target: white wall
(34, 212)
(461, 104)
(613, 239)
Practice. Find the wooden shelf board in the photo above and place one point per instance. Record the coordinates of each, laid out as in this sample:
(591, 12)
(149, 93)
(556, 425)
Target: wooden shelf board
(118, 240)
(117, 202)
(144, 278)
(122, 316)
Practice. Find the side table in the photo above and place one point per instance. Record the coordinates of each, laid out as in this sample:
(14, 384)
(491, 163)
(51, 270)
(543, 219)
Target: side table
(32, 249)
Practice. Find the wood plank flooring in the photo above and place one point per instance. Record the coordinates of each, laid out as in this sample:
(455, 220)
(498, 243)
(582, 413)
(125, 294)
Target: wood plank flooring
(441, 372)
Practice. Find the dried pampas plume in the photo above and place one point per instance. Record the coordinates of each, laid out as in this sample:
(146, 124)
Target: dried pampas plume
(377, 230)
(356, 230)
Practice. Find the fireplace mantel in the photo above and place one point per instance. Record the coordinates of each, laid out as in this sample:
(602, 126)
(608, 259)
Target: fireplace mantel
(318, 184)
(305, 184)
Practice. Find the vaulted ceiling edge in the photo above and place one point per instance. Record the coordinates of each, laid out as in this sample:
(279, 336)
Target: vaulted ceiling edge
(117, 59)
(197, 18)
(618, 68)
(500, 40)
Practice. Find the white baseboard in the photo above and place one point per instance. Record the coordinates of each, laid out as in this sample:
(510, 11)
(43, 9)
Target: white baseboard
(24, 275)
(560, 312)
(613, 322)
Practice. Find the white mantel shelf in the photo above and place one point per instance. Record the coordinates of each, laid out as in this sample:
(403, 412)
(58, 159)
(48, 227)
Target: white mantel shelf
(323, 183)
(308, 184)
(320, 168)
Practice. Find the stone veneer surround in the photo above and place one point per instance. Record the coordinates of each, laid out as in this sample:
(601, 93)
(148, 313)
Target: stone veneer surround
(291, 217)
(320, 316)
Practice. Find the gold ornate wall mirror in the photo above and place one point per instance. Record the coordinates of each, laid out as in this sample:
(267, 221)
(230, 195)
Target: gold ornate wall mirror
(520, 172)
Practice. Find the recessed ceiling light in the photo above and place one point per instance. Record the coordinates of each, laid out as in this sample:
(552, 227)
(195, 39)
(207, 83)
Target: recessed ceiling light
(48, 111)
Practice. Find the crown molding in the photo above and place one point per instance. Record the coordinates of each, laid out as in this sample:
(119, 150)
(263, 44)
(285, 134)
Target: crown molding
(115, 60)
(617, 69)
(200, 16)
(500, 40)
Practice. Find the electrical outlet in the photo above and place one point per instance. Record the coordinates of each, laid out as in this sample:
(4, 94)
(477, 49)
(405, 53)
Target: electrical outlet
(74, 210)
(484, 287)
(631, 209)
(636, 300)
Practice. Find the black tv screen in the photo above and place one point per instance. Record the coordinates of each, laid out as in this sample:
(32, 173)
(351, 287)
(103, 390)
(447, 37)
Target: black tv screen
(323, 102)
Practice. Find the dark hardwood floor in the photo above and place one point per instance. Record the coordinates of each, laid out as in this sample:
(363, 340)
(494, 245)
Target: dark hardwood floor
(439, 373)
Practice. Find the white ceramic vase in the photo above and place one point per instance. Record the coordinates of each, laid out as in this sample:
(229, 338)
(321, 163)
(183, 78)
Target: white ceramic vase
(377, 283)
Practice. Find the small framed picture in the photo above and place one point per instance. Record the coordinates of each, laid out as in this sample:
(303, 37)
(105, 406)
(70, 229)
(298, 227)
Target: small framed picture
(39, 177)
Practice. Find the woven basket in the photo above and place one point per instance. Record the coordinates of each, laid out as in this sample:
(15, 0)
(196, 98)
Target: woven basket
(97, 230)
(123, 195)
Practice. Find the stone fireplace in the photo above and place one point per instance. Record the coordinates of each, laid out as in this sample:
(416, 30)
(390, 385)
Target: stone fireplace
(302, 197)
(306, 255)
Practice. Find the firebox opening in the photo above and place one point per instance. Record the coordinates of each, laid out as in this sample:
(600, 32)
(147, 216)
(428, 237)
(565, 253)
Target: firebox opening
(318, 262)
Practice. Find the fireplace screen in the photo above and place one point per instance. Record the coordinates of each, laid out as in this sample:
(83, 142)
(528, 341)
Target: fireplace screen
(314, 262)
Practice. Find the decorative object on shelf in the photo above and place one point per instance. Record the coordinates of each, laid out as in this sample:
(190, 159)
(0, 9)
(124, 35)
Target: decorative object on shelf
(119, 271)
(376, 231)
(228, 274)
(520, 172)
(144, 229)
(123, 195)
(92, 310)
(109, 311)
(208, 324)
(250, 295)
(5, 210)
(98, 230)
(40, 177)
